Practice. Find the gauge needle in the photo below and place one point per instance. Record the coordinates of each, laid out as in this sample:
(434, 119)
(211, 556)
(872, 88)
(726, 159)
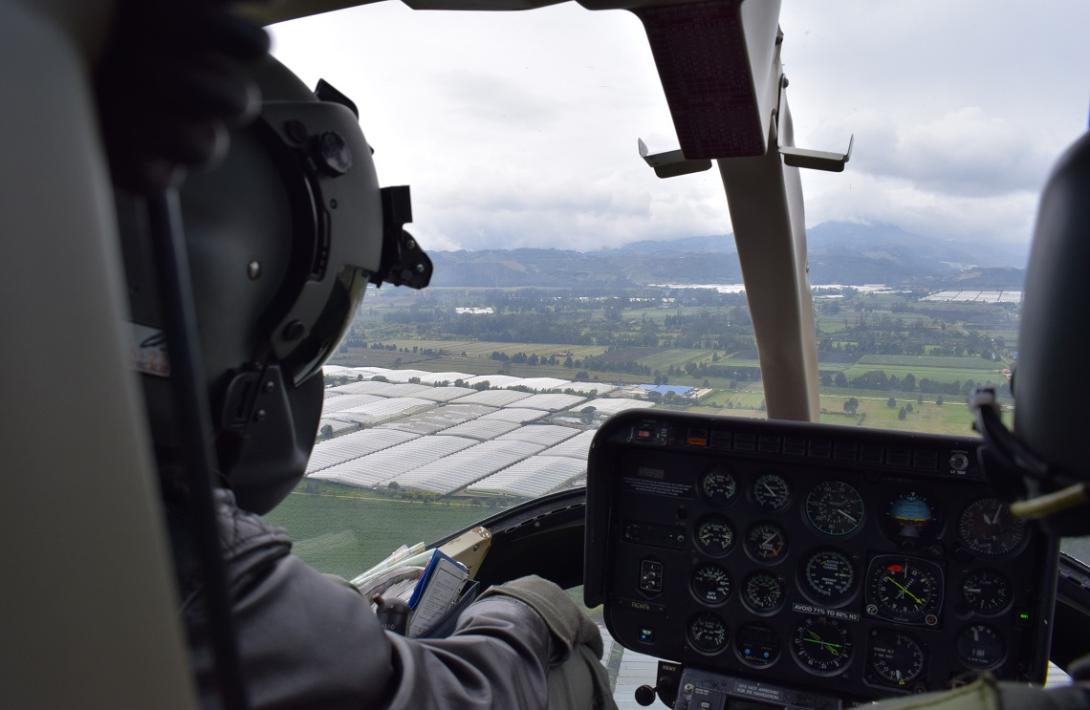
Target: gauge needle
(814, 638)
(903, 589)
(846, 515)
(995, 516)
(764, 484)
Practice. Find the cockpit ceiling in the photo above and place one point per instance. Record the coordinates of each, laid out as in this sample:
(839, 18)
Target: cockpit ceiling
(270, 12)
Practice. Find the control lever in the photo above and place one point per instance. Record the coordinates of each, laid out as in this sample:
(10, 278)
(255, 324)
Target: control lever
(665, 688)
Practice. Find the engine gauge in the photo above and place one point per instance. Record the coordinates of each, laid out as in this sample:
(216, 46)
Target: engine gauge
(894, 658)
(766, 542)
(980, 646)
(906, 590)
(988, 528)
(771, 492)
(835, 508)
(986, 591)
(763, 592)
(822, 646)
(714, 536)
(757, 645)
(707, 633)
(711, 584)
(718, 485)
(828, 577)
(912, 518)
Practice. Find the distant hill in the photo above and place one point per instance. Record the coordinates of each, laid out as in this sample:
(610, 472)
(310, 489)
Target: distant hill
(839, 252)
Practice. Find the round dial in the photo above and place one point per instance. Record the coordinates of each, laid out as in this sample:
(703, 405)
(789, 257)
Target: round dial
(828, 577)
(708, 633)
(822, 646)
(711, 584)
(718, 485)
(905, 590)
(895, 657)
(714, 536)
(988, 528)
(835, 508)
(763, 592)
(912, 518)
(757, 645)
(771, 492)
(766, 542)
(980, 646)
(986, 591)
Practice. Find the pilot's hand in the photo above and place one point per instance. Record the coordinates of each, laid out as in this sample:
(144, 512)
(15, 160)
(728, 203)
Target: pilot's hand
(568, 623)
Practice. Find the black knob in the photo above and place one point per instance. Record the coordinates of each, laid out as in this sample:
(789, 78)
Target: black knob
(645, 695)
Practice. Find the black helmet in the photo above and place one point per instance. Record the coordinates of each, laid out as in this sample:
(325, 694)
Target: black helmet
(282, 238)
(1043, 461)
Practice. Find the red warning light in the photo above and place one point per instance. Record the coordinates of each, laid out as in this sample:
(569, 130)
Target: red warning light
(895, 568)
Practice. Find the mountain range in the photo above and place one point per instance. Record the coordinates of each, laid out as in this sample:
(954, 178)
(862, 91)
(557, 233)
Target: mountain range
(839, 252)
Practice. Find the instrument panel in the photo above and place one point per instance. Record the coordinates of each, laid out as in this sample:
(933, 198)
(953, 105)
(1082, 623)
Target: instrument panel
(863, 563)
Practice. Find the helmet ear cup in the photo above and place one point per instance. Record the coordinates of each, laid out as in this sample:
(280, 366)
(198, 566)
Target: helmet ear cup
(266, 454)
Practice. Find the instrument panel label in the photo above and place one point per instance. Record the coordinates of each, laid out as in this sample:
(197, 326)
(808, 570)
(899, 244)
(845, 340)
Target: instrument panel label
(657, 486)
(811, 610)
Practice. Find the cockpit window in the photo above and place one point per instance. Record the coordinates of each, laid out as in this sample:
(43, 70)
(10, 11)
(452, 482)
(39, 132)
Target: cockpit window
(571, 283)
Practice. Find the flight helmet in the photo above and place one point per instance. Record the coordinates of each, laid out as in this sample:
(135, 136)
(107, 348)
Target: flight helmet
(282, 238)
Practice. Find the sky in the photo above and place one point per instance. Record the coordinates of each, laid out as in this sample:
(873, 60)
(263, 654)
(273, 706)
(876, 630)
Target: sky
(519, 129)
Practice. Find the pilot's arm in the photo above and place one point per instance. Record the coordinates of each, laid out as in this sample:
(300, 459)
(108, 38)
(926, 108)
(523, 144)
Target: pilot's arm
(307, 641)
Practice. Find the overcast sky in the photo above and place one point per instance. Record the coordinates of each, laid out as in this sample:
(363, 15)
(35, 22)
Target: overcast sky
(519, 129)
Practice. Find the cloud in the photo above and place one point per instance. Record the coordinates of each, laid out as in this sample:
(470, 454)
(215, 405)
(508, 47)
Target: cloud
(961, 152)
(519, 129)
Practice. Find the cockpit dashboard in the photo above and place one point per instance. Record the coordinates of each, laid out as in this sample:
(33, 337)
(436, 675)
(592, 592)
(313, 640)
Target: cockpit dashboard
(777, 558)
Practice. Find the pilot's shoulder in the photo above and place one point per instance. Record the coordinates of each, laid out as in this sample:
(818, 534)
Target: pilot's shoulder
(987, 694)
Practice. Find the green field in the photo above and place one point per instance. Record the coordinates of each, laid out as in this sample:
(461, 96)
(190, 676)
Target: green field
(345, 535)
(931, 361)
(938, 374)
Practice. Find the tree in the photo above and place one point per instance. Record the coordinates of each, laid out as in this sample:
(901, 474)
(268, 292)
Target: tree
(891, 403)
(919, 399)
(586, 415)
(902, 414)
(327, 431)
(582, 376)
(851, 406)
(840, 379)
(938, 400)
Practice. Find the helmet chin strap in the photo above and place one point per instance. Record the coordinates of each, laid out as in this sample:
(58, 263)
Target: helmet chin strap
(1013, 469)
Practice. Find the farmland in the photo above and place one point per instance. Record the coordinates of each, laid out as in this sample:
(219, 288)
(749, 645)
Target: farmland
(925, 355)
(341, 532)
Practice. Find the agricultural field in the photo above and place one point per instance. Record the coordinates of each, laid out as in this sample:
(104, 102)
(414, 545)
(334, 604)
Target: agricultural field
(346, 534)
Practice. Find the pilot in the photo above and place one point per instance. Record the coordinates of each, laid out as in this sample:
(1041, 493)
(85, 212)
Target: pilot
(282, 237)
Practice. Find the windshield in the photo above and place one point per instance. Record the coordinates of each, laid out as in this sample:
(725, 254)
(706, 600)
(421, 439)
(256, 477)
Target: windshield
(571, 283)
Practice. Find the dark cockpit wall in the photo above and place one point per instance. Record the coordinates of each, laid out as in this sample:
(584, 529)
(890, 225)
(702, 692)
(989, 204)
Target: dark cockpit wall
(89, 605)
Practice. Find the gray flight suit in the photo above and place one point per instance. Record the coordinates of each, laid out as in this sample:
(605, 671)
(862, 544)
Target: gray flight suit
(307, 641)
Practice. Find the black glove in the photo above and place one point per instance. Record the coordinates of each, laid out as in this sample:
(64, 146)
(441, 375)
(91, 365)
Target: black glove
(173, 80)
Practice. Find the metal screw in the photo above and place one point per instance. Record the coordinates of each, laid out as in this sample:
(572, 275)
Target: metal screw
(332, 204)
(331, 152)
(253, 270)
(269, 386)
(784, 82)
(419, 268)
(259, 415)
(410, 244)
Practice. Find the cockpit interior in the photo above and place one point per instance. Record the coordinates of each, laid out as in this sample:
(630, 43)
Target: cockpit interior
(754, 563)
